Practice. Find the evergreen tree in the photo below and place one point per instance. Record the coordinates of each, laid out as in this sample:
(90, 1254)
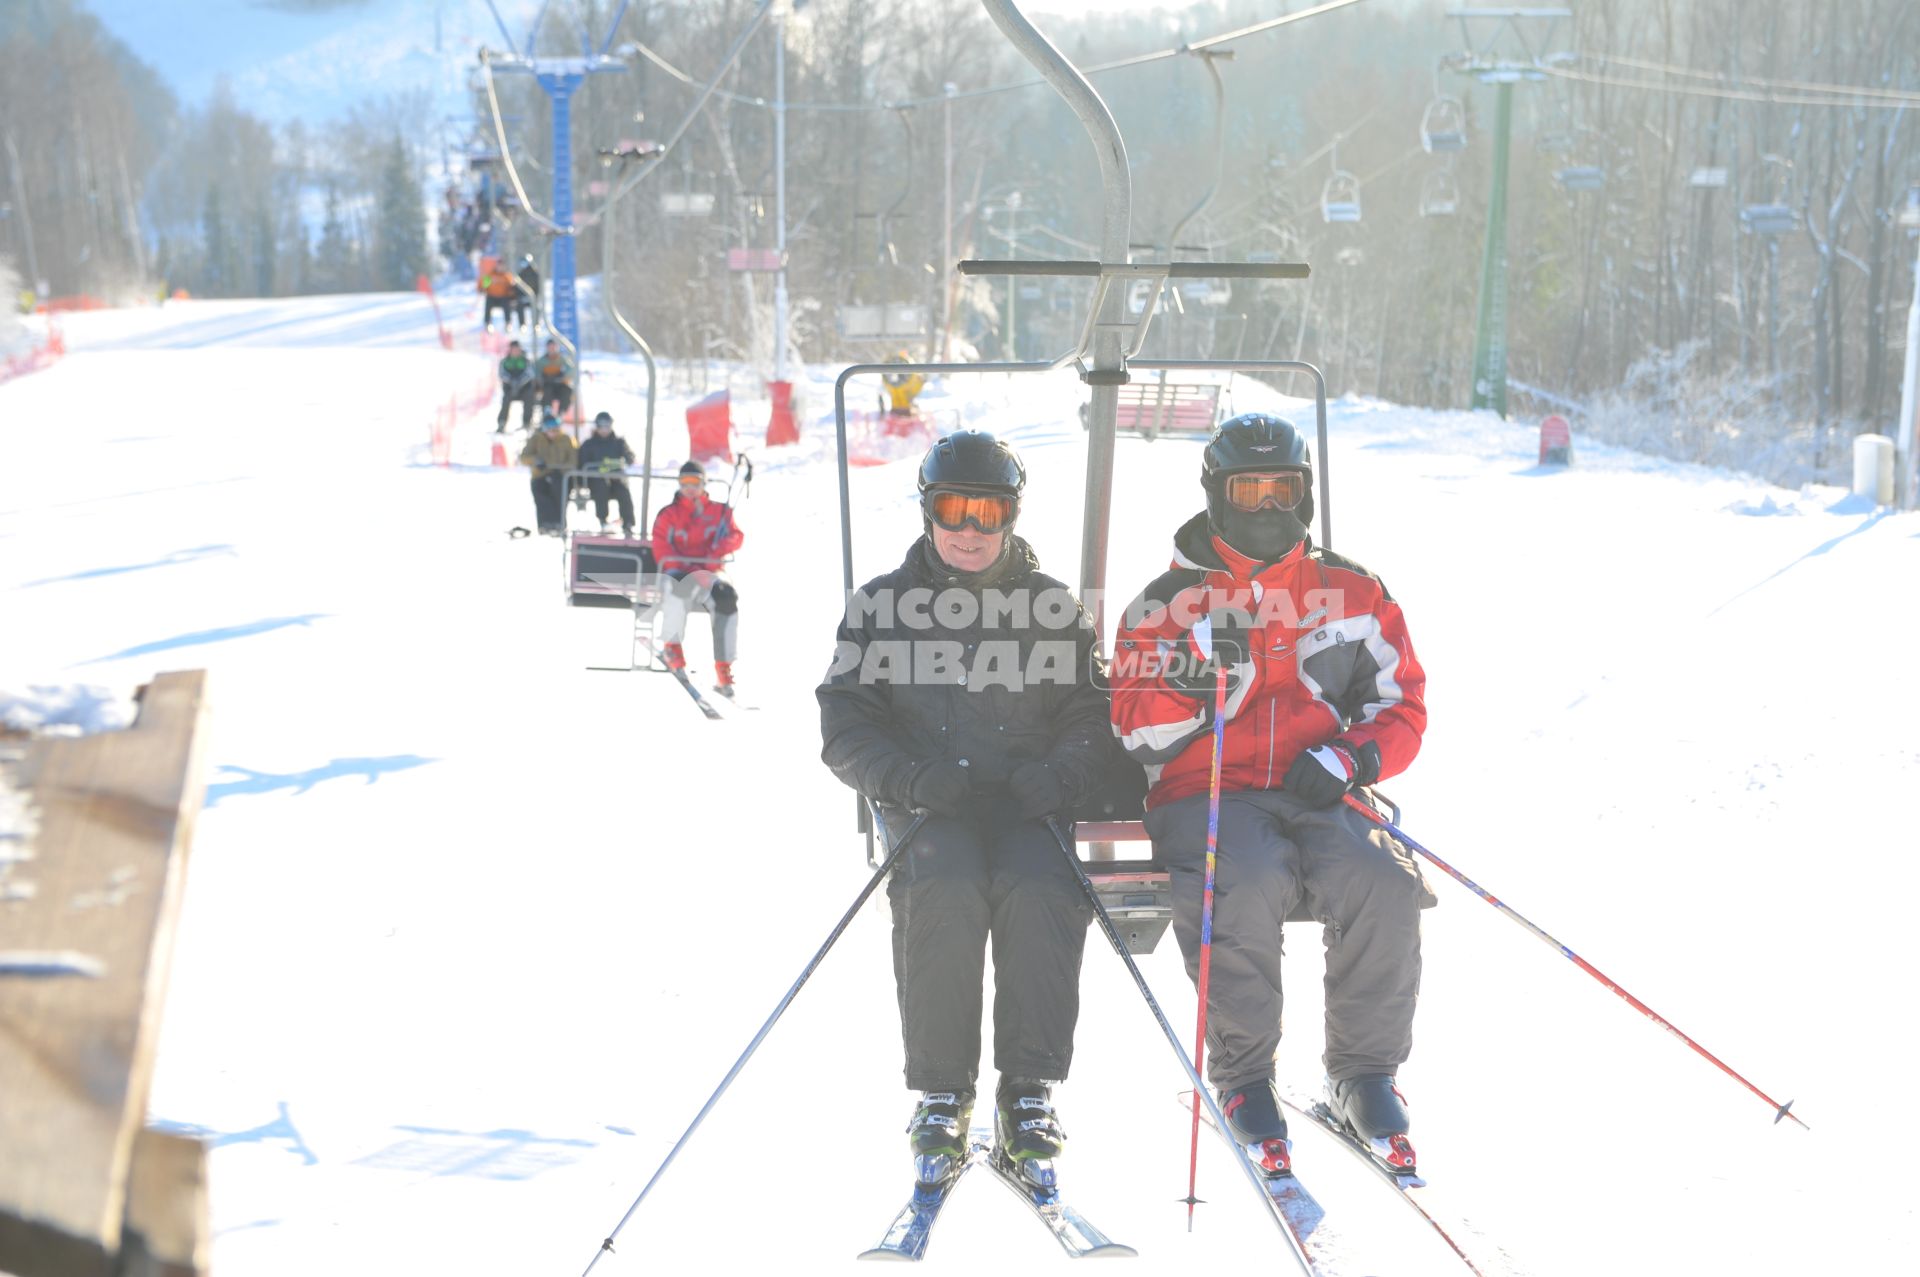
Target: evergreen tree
(333, 259)
(400, 223)
(214, 278)
(263, 254)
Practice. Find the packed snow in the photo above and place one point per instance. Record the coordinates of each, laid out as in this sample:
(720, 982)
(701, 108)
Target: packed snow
(473, 930)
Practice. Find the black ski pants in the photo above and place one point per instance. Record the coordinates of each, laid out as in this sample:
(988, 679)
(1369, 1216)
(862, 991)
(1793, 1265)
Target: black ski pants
(509, 397)
(961, 884)
(556, 397)
(617, 489)
(549, 498)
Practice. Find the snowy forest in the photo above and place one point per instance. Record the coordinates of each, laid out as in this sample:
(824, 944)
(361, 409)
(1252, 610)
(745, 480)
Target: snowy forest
(1649, 285)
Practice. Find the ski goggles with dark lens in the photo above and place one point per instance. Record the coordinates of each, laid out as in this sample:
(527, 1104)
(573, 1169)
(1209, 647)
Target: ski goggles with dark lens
(989, 512)
(1257, 489)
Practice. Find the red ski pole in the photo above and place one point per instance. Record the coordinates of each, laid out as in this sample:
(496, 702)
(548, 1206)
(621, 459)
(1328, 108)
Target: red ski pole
(1206, 928)
(1779, 1110)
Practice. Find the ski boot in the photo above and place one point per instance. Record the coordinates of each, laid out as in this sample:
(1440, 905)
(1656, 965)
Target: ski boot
(723, 678)
(1253, 1116)
(1372, 1108)
(1027, 1131)
(938, 1135)
(606, 528)
(674, 655)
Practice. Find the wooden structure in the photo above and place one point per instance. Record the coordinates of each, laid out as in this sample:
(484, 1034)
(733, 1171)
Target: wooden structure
(89, 904)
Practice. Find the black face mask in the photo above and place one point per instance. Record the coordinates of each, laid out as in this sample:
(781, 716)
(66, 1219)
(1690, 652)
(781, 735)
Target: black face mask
(1265, 535)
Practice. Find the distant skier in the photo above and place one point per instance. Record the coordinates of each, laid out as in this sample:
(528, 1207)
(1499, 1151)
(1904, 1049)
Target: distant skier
(556, 381)
(691, 535)
(1325, 696)
(496, 284)
(965, 683)
(551, 454)
(517, 385)
(527, 296)
(607, 451)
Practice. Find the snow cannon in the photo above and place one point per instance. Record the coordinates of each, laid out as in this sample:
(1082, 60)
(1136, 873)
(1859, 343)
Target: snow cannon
(1556, 441)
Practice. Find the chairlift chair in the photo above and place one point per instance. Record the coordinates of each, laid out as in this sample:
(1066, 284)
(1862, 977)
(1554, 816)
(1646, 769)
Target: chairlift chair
(1443, 126)
(1340, 198)
(1439, 194)
(1769, 219)
(1581, 177)
(1909, 215)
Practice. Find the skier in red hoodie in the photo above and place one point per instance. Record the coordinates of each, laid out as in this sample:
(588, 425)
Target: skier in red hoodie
(1324, 695)
(692, 535)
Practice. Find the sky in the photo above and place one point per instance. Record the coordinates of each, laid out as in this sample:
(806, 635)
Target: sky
(284, 65)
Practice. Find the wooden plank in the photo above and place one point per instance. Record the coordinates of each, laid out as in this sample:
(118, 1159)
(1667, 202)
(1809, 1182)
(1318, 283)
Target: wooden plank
(167, 1218)
(114, 814)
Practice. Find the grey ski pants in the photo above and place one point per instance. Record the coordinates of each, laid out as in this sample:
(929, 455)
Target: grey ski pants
(703, 591)
(1362, 886)
(960, 884)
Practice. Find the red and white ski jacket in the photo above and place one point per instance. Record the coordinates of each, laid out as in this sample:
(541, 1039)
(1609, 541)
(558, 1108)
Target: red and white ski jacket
(1329, 659)
(683, 536)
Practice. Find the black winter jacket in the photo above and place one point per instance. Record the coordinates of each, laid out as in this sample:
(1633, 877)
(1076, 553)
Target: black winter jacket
(594, 450)
(997, 668)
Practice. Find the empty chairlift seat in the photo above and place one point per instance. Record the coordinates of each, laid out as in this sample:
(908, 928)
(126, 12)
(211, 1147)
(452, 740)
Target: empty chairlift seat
(1149, 407)
(1340, 198)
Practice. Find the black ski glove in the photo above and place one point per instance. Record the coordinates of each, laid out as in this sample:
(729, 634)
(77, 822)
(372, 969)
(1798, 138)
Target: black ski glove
(941, 787)
(1325, 774)
(1191, 674)
(1037, 790)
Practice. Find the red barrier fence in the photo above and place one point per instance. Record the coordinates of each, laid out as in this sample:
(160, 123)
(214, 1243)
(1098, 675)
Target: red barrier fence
(35, 359)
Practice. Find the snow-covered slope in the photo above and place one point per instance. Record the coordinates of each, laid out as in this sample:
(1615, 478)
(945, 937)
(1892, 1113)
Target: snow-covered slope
(473, 930)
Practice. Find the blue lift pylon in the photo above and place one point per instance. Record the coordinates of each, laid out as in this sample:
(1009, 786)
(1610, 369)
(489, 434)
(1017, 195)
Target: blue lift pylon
(559, 79)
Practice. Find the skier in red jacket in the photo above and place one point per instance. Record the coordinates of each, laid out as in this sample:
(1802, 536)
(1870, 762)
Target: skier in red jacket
(1324, 695)
(692, 535)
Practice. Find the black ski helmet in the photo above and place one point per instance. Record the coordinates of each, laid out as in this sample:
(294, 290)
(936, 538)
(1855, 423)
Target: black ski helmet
(602, 419)
(973, 460)
(1256, 441)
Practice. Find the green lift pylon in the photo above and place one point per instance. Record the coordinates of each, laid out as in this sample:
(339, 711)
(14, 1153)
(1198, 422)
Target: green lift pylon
(1513, 47)
(1490, 329)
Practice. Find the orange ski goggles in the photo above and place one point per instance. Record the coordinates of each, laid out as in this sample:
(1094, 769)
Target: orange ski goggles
(989, 512)
(1253, 490)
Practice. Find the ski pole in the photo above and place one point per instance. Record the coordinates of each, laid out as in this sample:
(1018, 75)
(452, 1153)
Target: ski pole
(1206, 929)
(919, 819)
(1779, 1110)
(1200, 1090)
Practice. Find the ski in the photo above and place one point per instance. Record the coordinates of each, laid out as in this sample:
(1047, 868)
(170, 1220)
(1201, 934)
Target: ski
(911, 1230)
(1413, 1190)
(706, 706)
(1075, 1233)
(1304, 1216)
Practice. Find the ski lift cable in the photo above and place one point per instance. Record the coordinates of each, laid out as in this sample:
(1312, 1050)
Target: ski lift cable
(1853, 101)
(1158, 55)
(1809, 86)
(506, 152)
(686, 121)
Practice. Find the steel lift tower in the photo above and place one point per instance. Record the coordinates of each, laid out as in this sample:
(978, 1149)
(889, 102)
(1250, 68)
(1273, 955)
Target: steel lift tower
(1504, 58)
(559, 78)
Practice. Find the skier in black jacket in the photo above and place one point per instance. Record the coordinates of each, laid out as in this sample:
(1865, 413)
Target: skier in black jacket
(606, 451)
(965, 683)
